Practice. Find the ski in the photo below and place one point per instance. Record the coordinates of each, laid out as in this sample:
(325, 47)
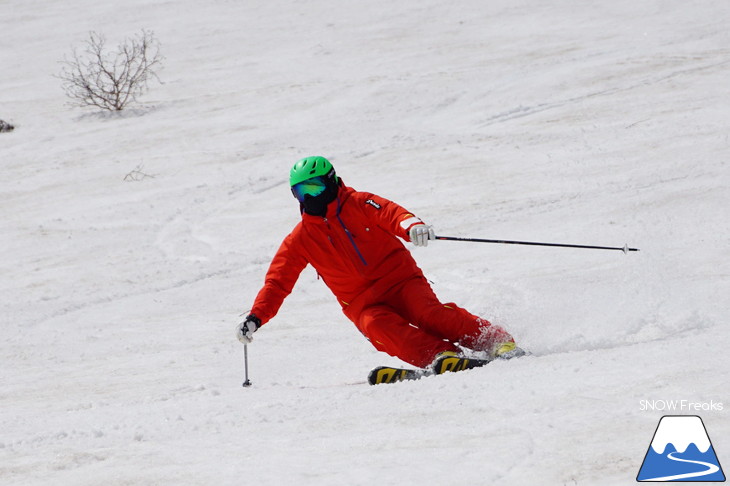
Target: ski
(389, 374)
(445, 364)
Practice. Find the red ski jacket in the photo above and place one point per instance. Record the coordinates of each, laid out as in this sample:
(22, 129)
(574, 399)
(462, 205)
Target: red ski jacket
(354, 249)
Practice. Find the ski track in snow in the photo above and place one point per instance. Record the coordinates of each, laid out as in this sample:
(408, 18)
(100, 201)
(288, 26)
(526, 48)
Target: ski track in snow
(595, 123)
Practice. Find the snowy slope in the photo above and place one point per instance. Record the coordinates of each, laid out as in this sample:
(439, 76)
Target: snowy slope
(582, 122)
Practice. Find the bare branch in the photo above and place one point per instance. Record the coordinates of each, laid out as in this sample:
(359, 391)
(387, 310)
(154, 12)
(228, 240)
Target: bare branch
(111, 81)
(137, 175)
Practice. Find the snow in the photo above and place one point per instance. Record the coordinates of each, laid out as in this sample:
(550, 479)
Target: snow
(580, 122)
(680, 432)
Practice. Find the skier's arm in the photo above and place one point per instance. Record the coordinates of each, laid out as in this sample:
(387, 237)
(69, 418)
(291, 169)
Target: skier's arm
(283, 273)
(397, 220)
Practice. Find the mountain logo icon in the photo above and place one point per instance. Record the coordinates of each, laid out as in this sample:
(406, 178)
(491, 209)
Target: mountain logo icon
(681, 451)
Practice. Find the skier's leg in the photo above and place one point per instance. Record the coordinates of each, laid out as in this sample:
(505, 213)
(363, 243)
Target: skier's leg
(391, 333)
(448, 321)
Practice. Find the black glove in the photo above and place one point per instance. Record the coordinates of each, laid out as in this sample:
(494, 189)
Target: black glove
(245, 330)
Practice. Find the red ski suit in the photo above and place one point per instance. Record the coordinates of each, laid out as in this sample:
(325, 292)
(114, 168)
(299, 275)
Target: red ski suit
(355, 251)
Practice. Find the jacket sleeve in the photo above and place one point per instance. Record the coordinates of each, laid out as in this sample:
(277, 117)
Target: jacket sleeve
(390, 216)
(283, 273)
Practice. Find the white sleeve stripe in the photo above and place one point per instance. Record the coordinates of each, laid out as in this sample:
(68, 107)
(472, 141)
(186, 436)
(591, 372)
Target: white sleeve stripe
(408, 222)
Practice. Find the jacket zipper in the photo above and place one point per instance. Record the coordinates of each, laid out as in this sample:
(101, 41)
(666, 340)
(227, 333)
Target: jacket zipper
(347, 232)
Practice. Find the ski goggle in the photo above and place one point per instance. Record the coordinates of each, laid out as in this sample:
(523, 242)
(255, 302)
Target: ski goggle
(311, 187)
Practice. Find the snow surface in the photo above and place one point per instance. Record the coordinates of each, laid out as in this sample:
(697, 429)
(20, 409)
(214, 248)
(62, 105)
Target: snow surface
(587, 122)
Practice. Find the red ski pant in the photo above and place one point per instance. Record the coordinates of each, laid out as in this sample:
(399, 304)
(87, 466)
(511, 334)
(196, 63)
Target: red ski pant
(409, 322)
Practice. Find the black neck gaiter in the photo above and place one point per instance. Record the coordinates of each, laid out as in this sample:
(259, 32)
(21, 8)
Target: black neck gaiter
(317, 205)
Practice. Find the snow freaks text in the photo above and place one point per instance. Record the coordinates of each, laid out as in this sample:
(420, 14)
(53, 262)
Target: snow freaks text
(679, 406)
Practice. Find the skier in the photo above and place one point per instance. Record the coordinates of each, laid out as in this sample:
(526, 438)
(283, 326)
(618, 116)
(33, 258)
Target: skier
(351, 240)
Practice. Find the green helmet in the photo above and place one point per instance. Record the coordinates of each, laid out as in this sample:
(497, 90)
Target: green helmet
(310, 167)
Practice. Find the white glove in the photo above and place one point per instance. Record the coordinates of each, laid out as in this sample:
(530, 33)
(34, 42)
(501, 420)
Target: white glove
(245, 330)
(421, 233)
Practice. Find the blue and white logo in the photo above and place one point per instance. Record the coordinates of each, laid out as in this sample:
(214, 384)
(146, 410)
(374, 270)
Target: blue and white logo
(681, 451)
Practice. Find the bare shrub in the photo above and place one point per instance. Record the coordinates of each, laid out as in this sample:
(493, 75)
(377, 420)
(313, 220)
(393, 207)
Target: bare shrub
(137, 175)
(111, 81)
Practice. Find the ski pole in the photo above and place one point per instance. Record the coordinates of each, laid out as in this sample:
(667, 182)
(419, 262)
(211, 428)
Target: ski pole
(245, 363)
(625, 249)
